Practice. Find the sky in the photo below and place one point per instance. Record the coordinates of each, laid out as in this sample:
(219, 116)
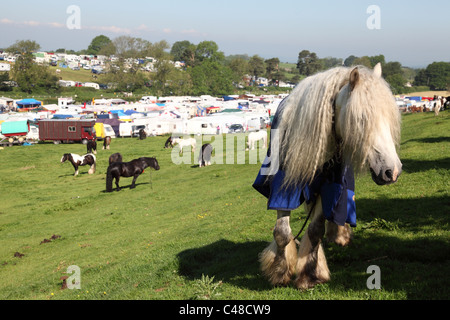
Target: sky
(414, 33)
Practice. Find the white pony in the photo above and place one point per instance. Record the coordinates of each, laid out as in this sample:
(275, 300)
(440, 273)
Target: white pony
(254, 137)
(184, 143)
(333, 122)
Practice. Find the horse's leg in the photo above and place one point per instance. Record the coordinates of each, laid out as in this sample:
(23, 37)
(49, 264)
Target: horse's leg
(133, 184)
(341, 235)
(312, 265)
(92, 169)
(117, 182)
(278, 259)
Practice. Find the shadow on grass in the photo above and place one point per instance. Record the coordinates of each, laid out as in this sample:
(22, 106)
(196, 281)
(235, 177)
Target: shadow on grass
(410, 248)
(411, 166)
(126, 187)
(235, 263)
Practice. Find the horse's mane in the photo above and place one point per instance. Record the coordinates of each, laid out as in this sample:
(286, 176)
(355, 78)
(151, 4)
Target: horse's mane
(306, 126)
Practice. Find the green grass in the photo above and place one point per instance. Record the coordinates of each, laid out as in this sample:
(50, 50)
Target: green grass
(192, 233)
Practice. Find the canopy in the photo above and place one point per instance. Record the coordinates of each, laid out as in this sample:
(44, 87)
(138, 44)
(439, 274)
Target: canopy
(28, 102)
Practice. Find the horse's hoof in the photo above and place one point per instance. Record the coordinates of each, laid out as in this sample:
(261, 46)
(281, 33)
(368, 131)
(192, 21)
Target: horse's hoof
(278, 268)
(341, 235)
(305, 282)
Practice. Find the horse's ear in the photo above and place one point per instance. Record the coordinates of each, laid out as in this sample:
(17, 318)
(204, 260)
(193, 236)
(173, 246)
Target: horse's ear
(377, 70)
(354, 78)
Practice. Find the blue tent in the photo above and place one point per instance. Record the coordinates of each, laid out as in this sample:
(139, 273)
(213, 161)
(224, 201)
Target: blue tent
(28, 103)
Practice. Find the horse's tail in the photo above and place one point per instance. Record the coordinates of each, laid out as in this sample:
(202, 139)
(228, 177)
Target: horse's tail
(109, 180)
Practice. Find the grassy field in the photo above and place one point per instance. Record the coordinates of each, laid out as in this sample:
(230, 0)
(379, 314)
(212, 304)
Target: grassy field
(190, 233)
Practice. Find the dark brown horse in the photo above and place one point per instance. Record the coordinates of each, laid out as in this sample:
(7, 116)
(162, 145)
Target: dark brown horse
(115, 157)
(92, 146)
(134, 169)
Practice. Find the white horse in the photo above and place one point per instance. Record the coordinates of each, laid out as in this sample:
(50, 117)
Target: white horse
(333, 122)
(254, 137)
(184, 143)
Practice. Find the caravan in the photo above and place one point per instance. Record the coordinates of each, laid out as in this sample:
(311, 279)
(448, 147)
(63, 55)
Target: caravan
(201, 125)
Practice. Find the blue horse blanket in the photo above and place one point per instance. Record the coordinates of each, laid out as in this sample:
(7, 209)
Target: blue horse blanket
(335, 184)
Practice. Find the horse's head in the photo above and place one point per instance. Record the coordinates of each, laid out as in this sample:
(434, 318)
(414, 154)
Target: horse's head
(65, 157)
(150, 162)
(367, 120)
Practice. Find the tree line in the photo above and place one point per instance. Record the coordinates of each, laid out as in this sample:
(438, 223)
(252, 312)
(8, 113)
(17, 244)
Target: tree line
(206, 69)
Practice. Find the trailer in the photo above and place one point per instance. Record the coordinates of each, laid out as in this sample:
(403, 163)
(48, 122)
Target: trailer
(14, 132)
(59, 130)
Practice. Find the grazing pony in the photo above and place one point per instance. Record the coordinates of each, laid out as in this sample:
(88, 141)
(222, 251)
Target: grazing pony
(115, 157)
(77, 161)
(168, 143)
(92, 146)
(184, 143)
(332, 123)
(253, 137)
(134, 168)
(106, 143)
(204, 157)
(142, 134)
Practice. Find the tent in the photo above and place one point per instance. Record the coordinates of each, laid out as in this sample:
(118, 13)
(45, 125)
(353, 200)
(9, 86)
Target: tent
(28, 103)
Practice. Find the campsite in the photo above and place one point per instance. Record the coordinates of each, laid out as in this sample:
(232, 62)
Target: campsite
(195, 233)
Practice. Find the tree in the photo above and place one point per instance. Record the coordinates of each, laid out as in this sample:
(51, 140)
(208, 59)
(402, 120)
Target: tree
(308, 63)
(256, 66)
(362, 61)
(330, 62)
(28, 75)
(377, 59)
(24, 47)
(179, 50)
(239, 66)
(211, 78)
(392, 68)
(272, 68)
(209, 50)
(97, 44)
(349, 61)
(396, 82)
(436, 76)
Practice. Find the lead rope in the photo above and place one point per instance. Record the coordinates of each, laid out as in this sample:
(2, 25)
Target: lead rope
(304, 224)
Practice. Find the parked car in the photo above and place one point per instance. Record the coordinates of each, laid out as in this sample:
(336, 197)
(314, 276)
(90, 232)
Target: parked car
(234, 128)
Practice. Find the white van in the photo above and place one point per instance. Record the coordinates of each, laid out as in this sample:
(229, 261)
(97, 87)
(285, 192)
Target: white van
(126, 129)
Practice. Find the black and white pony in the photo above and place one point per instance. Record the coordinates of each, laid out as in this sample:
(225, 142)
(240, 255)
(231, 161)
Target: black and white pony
(204, 157)
(106, 143)
(168, 143)
(332, 123)
(134, 169)
(77, 161)
(92, 146)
